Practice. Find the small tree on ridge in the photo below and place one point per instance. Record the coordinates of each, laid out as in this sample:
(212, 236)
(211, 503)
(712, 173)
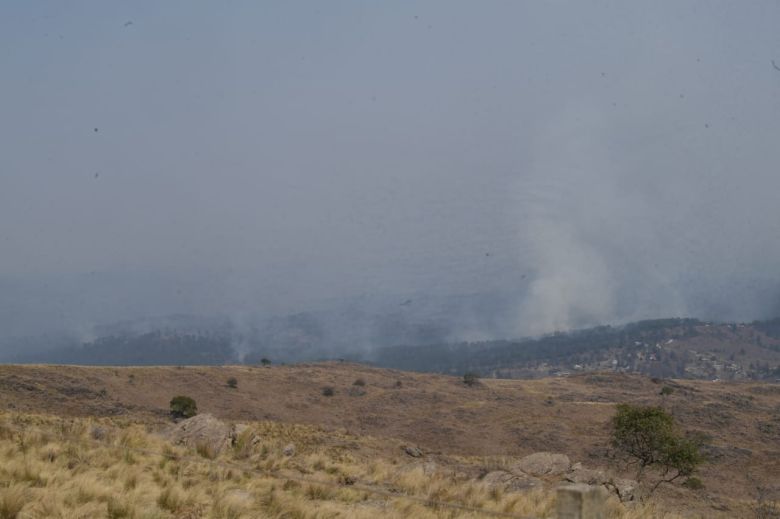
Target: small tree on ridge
(649, 437)
(183, 407)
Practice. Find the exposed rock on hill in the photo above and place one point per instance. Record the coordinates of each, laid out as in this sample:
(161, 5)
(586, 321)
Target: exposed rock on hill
(511, 482)
(543, 464)
(202, 430)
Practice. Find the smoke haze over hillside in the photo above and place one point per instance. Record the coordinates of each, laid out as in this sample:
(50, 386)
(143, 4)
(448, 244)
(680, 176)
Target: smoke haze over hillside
(470, 170)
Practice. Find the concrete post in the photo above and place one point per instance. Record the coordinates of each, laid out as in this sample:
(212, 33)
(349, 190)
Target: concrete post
(580, 502)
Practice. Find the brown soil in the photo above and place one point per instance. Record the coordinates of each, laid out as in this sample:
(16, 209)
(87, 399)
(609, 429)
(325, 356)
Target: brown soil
(438, 413)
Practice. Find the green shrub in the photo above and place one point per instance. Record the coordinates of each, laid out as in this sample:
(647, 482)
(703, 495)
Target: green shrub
(649, 437)
(693, 483)
(666, 390)
(183, 407)
(471, 379)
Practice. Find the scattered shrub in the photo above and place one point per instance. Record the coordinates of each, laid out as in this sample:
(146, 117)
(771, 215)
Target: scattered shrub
(328, 391)
(471, 379)
(183, 407)
(666, 390)
(232, 382)
(649, 437)
(359, 382)
(693, 483)
(265, 362)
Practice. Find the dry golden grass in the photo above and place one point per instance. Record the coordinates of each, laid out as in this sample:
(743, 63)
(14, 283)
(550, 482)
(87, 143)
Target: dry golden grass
(70, 468)
(438, 414)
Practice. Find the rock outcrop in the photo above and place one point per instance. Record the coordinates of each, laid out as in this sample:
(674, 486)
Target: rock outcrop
(511, 482)
(542, 464)
(535, 469)
(204, 430)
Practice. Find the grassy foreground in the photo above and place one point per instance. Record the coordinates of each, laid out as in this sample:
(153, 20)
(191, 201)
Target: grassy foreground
(53, 467)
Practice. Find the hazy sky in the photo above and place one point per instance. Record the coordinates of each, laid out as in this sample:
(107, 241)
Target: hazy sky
(604, 159)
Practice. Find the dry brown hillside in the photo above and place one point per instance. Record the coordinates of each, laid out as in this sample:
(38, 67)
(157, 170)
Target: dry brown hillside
(440, 414)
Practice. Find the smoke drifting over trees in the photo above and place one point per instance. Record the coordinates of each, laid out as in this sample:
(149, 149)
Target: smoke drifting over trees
(403, 174)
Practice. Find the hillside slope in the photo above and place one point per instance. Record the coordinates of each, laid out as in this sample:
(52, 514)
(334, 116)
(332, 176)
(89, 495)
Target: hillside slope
(438, 413)
(680, 348)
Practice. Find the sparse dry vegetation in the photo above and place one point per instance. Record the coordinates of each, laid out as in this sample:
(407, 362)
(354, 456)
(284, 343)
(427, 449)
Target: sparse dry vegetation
(55, 467)
(352, 442)
(471, 379)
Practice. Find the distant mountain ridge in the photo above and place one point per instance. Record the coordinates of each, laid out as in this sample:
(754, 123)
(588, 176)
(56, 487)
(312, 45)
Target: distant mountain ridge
(680, 348)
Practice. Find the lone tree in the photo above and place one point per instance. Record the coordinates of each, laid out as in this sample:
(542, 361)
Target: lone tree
(183, 407)
(649, 437)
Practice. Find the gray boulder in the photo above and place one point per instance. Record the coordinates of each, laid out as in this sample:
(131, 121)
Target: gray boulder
(243, 432)
(587, 476)
(201, 430)
(413, 451)
(626, 489)
(542, 464)
(510, 482)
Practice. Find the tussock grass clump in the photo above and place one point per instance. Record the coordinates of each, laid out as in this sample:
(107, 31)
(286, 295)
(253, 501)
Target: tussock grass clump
(12, 501)
(60, 470)
(119, 509)
(207, 450)
(173, 499)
